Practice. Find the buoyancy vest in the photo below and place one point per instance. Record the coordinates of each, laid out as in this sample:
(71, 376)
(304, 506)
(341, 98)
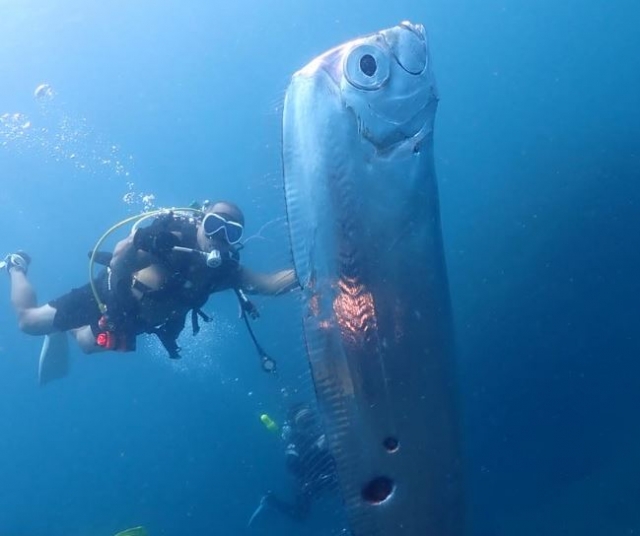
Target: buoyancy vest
(179, 286)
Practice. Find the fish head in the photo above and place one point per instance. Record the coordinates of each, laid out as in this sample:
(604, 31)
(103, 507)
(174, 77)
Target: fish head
(385, 81)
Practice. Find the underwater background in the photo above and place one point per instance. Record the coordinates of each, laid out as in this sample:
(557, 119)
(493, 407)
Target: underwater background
(157, 104)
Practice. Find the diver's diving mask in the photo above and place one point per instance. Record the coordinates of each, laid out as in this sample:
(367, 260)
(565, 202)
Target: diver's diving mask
(214, 223)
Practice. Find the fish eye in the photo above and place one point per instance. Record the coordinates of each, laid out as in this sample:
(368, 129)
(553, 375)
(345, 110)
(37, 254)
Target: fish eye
(366, 67)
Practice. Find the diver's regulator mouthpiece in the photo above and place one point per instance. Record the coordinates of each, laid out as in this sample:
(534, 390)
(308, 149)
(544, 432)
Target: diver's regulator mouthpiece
(213, 258)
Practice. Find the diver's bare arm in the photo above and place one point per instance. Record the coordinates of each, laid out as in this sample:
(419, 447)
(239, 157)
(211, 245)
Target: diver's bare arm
(268, 284)
(127, 259)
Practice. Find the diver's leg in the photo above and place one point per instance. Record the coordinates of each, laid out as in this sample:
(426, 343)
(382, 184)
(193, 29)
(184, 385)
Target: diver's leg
(32, 319)
(35, 320)
(54, 357)
(86, 340)
(22, 294)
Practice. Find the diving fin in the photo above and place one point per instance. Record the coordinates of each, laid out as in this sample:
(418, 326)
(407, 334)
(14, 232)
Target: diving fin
(54, 358)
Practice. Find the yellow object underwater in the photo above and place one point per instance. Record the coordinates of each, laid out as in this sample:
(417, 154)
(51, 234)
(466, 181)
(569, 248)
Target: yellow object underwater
(268, 422)
(133, 531)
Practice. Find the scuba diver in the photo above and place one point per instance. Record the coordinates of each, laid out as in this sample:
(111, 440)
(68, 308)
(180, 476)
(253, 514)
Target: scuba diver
(309, 462)
(153, 279)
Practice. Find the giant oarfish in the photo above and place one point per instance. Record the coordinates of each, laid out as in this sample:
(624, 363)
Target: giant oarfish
(363, 211)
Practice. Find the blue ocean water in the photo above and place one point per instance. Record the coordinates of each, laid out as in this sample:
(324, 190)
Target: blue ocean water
(538, 156)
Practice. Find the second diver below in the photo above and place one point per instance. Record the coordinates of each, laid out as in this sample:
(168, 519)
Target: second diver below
(309, 462)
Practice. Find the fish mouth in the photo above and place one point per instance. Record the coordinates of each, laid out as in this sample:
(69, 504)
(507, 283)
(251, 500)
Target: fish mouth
(409, 49)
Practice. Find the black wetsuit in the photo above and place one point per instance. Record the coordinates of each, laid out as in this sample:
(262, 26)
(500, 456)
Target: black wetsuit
(79, 308)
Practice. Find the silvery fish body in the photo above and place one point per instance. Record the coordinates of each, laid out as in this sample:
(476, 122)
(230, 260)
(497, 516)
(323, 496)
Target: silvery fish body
(362, 204)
